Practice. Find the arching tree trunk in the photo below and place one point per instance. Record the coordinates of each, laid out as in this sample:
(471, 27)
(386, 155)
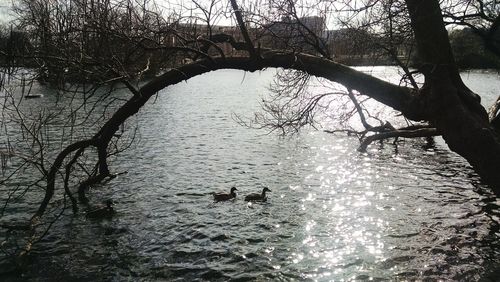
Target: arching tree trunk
(444, 100)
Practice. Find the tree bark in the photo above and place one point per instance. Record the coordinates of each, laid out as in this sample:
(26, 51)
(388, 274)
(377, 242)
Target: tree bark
(452, 107)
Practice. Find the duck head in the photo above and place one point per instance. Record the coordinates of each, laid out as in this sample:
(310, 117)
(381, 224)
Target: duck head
(265, 190)
(109, 203)
(233, 189)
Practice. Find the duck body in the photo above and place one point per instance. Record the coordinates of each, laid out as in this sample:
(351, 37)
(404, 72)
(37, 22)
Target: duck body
(258, 197)
(102, 212)
(218, 197)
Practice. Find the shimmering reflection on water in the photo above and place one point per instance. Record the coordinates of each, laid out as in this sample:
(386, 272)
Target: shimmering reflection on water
(333, 213)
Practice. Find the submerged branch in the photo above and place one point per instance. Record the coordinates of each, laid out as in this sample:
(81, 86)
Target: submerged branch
(51, 176)
(422, 132)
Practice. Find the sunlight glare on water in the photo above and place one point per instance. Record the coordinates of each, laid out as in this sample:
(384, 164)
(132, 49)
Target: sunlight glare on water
(396, 212)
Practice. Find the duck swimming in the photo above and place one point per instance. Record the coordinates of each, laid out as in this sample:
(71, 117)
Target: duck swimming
(102, 212)
(258, 197)
(225, 196)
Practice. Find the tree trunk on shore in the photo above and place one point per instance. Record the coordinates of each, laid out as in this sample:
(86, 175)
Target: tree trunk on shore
(452, 107)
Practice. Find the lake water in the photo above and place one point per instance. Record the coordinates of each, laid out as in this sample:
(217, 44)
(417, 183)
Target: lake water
(394, 213)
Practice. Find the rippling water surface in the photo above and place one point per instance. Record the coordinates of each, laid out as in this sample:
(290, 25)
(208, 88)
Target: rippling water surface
(395, 212)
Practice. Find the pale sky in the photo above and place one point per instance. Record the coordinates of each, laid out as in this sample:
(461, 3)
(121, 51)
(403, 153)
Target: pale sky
(5, 11)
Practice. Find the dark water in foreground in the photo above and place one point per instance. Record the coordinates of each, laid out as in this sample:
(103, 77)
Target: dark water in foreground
(394, 213)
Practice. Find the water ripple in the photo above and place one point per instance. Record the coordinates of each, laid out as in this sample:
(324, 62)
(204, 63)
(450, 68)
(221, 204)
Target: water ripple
(333, 213)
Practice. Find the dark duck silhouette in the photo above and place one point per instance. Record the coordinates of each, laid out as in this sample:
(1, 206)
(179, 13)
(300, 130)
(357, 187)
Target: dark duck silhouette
(258, 197)
(218, 197)
(102, 212)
